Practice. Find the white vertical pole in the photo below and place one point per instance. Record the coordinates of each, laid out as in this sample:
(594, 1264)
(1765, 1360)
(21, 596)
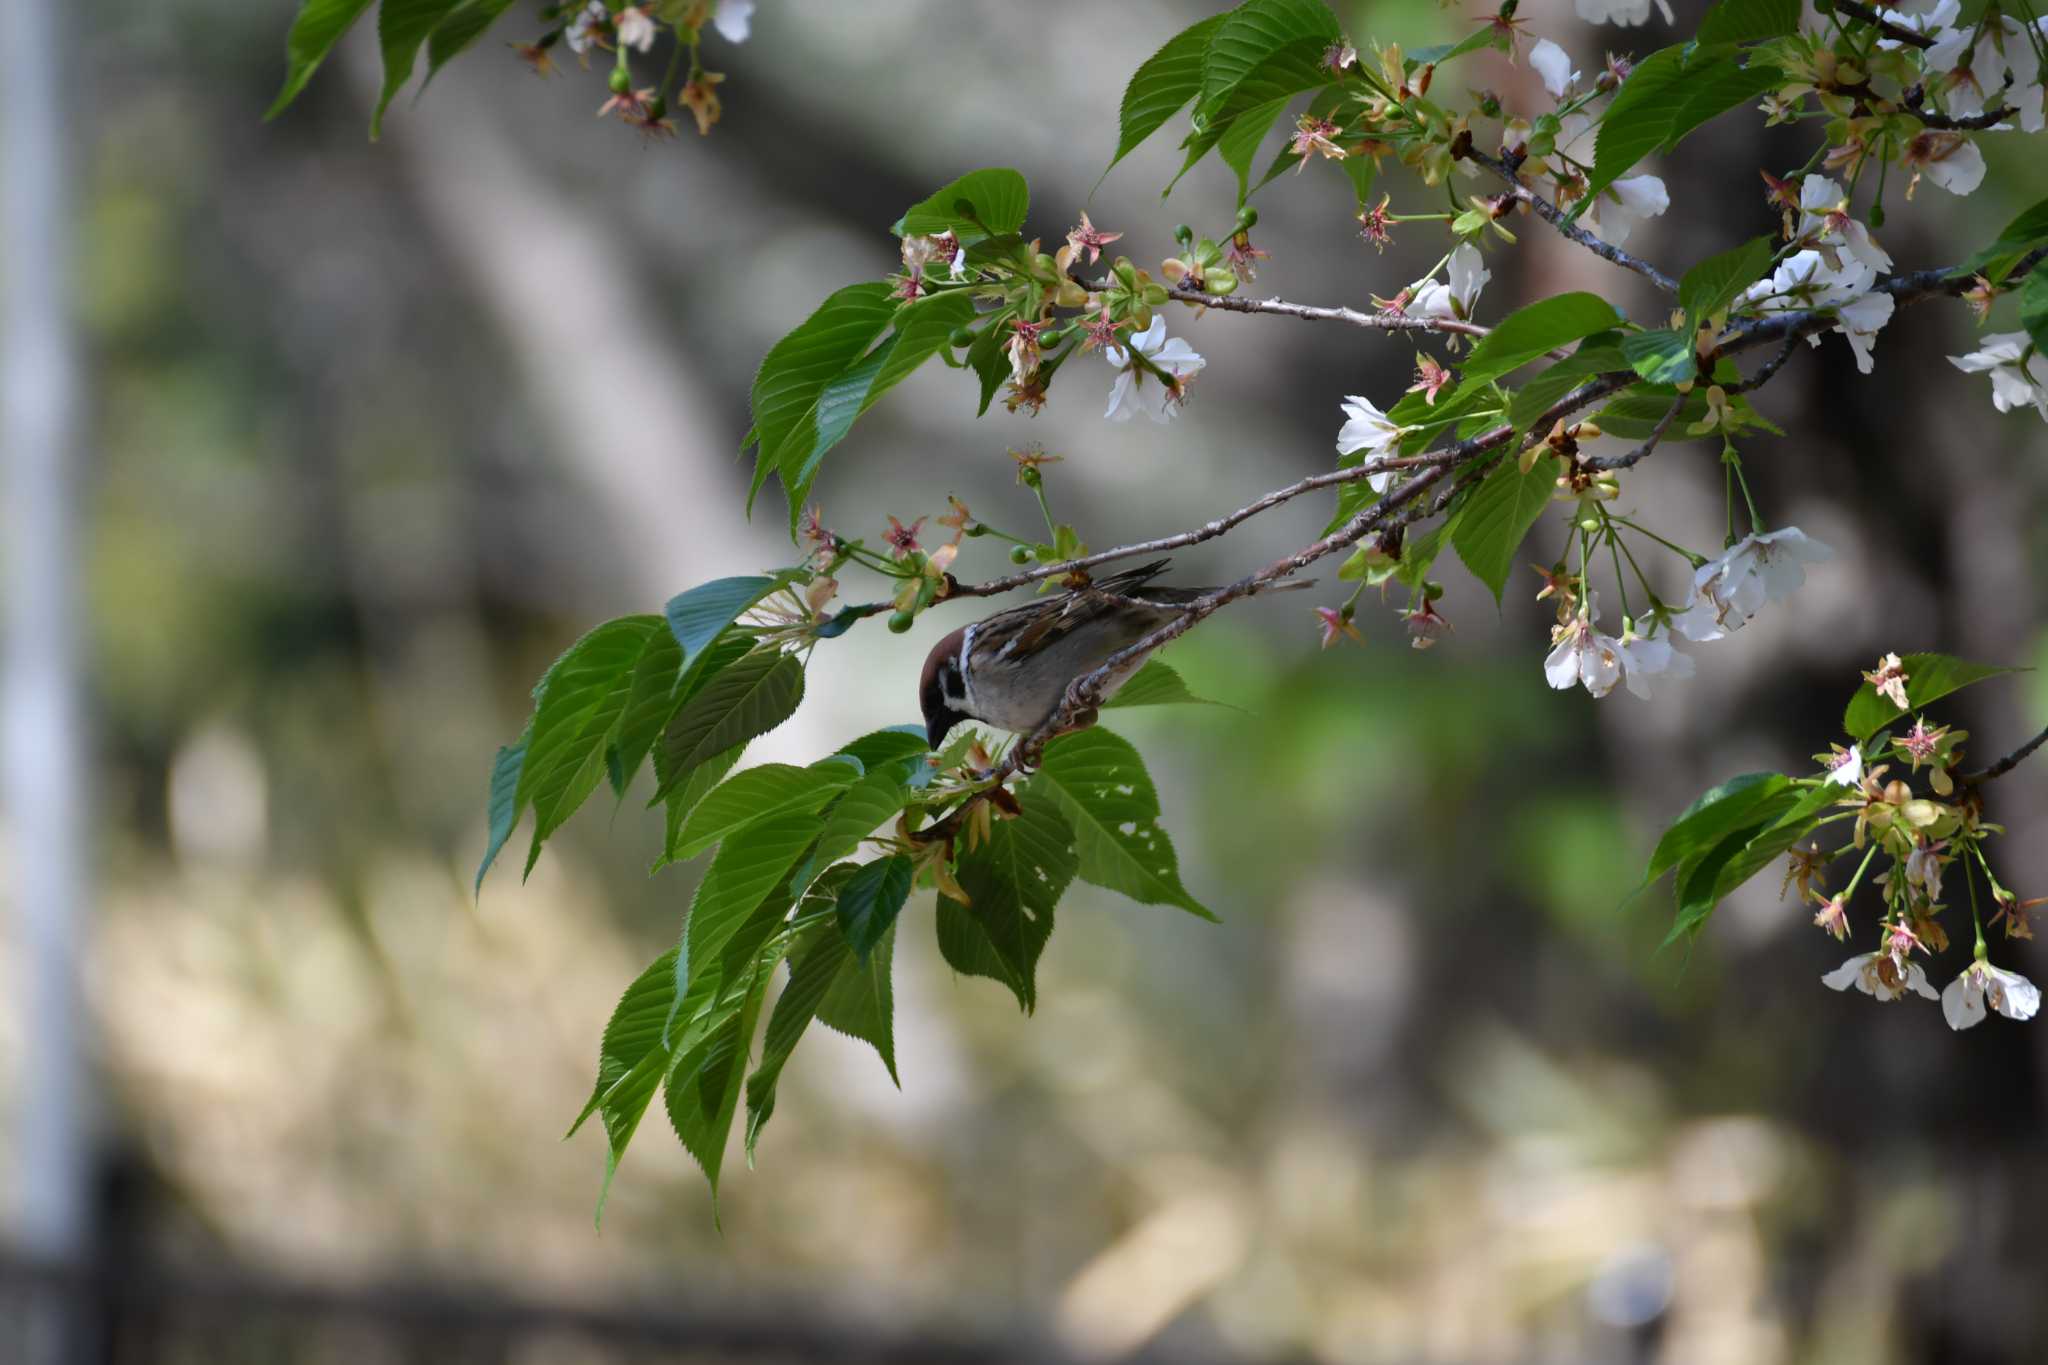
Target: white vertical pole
(41, 750)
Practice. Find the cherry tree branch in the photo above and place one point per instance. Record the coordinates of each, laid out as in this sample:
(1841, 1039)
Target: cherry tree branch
(1864, 14)
(1509, 169)
(2008, 763)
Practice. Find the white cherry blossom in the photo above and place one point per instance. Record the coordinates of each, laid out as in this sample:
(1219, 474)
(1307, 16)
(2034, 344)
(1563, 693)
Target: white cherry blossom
(1618, 209)
(1580, 654)
(590, 26)
(1846, 768)
(1764, 566)
(636, 28)
(1139, 390)
(1455, 299)
(1824, 215)
(1950, 160)
(1986, 64)
(1805, 280)
(2012, 995)
(1367, 430)
(1647, 656)
(2019, 371)
(1554, 67)
(734, 20)
(1866, 972)
(1624, 13)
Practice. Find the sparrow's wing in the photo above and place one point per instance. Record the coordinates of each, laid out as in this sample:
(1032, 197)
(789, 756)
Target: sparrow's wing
(1132, 578)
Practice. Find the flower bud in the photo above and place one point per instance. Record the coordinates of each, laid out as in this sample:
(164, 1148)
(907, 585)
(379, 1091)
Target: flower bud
(1183, 234)
(1431, 590)
(1020, 554)
(620, 81)
(1247, 218)
(900, 621)
(962, 336)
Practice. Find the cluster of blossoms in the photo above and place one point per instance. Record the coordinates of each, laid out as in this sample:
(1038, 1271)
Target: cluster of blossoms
(1927, 837)
(624, 29)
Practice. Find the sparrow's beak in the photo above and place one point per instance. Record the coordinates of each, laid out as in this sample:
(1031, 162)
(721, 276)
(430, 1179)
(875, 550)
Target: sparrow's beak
(939, 726)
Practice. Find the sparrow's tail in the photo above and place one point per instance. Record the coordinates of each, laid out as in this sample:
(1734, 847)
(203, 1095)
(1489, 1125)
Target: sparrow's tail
(1285, 585)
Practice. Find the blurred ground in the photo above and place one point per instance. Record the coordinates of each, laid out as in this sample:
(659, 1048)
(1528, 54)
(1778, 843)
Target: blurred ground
(378, 430)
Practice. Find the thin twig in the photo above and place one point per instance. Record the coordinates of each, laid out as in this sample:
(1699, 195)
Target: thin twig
(1379, 322)
(1208, 530)
(2008, 763)
(1865, 14)
(1650, 444)
(1551, 214)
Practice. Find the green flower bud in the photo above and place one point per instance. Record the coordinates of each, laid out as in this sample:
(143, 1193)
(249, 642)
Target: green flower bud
(974, 529)
(1247, 218)
(1431, 590)
(900, 621)
(620, 81)
(1183, 234)
(1020, 554)
(962, 336)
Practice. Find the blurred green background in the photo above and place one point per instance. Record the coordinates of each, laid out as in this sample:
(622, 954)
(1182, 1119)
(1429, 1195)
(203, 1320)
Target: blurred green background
(377, 430)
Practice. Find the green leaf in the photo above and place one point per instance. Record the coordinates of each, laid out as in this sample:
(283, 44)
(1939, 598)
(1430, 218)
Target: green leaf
(868, 804)
(757, 793)
(1101, 786)
(1439, 53)
(402, 26)
(703, 1087)
(582, 700)
(504, 806)
(318, 27)
(1710, 819)
(1929, 677)
(872, 899)
(459, 30)
(860, 1005)
(1635, 412)
(695, 786)
(1250, 37)
(1709, 287)
(1162, 86)
(1662, 357)
(1666, 96)
(1527, 333)
(1596, 355)
(698, 617)
(2020, 236)
(893, 745)
(1156, 684)
(630, 1063)
(1013, 879)
(651, 698)
(921, 331)
(2034, 306)
(1748, 21)
(814, 966)
(1240, 141)
(748, 698)
(748, 866)
(1498, 515)
(1709, 877)
(980, 203)
(797, 368)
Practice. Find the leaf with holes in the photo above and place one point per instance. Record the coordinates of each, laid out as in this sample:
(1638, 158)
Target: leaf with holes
(1013, 879)
(1101, 786)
